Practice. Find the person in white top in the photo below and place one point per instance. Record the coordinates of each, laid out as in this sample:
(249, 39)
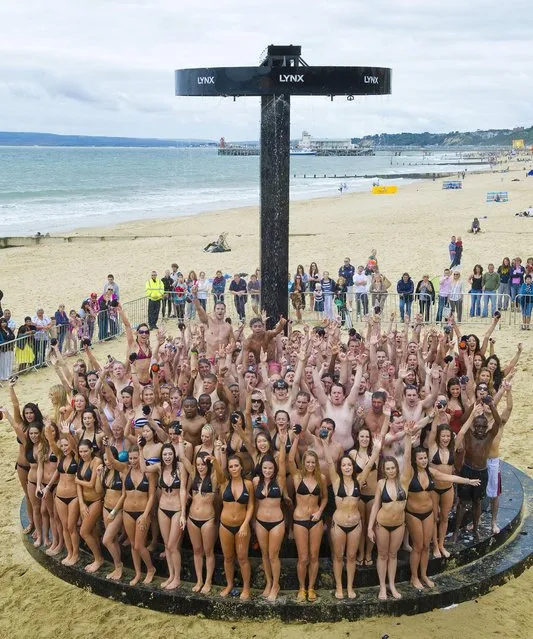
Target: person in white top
(360, 288)
(41, 337)
(203, 287)
(456, 296)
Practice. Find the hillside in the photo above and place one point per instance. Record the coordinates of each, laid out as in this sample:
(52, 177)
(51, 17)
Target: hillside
(491, 137)
(14, 138)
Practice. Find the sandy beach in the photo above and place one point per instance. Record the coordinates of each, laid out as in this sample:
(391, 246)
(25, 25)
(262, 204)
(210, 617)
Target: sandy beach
(410, 231)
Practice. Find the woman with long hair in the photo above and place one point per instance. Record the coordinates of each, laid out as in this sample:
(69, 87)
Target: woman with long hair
(114, 496)
(313, 276)
(47, 476)
(234, 532)
(360, 455)
(90, 499)
(476, 291)
(172, 482)
(386, 524)
(419, 512)
(346, 523)
(269, 485)
(311, 499)
(201, 523)
(504, 289)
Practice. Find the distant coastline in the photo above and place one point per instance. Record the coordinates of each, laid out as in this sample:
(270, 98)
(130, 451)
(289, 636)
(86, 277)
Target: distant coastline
(18, 138)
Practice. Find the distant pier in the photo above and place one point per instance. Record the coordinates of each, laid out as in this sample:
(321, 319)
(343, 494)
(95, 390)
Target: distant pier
(250, 150)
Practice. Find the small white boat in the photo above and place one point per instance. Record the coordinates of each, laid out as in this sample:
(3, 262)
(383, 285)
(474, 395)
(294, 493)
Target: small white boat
(302, 152)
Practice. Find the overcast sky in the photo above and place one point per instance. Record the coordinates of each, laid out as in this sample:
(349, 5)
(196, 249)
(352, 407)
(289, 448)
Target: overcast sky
(105, 67)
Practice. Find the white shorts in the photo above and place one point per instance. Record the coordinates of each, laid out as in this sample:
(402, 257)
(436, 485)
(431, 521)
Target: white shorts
(494, 485)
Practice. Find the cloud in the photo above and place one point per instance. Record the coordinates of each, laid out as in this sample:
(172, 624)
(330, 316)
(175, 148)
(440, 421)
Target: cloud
(106, 67)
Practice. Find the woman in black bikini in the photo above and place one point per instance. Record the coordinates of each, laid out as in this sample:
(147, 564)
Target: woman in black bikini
(269, 485)
(21, 421)
(172, 482)
(140, 494)
(388, 512)
(114, 496)
(360, 455)
(235, 518)
(346, 527)
(46, 482)
(90, 499)
(419, 512)
(90, 431)
(441, 444)
(66, 498)
(311, 499)
(33, 440)
(201, 523)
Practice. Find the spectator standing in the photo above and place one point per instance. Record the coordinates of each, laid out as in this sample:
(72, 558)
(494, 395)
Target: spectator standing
(517, 279)
(254, 290)
(107, 317)
(7, 348)
(347, 270)
(476, 291)
(155, 291)
(525, 297)
(218, 287)
(456, 296)
(62, 325)
(426, 296)
(168, 284)
(444, 293)
(456, 262)
(10, 321)
(239, 289)
(25, 354)
(405, 289)
(360, 289)
(111, 283)
(451, 248)
(491, 283)
(203, 287)
(504, 289)
(42, 324)
(328, 289)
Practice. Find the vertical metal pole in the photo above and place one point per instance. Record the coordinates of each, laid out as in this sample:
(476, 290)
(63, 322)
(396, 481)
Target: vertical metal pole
(275, 166)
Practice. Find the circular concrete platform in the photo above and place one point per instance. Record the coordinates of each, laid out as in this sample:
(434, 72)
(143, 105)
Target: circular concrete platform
(472, 570)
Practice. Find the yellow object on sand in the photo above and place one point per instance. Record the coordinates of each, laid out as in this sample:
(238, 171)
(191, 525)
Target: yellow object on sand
(379, 190)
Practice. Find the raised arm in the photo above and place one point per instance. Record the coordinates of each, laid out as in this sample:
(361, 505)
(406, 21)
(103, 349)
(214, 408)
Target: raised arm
(318, 390)
(489, 332)
(376, 449)
(293, 469)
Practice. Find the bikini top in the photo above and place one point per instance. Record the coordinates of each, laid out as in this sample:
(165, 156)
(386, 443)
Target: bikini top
(94, 444)
(206, 485)
(303, 489)
(358, 468)
(52, 458)
(116, 483)
(141, 487)
(150, 461)
(438, 461)
(87, 474)
(386, 498)
(342, 490)
(416, 487)
(273, 492)
(139, 422)
(288, 444)
(228, 494)
(231, 451)
(175, 485)
(142, 355)
(30, 456)
(72, 467)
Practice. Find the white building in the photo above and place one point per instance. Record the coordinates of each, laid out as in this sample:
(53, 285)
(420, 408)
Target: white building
(309, 142)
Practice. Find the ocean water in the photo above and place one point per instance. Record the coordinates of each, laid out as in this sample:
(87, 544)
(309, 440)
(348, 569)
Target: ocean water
(59, 189)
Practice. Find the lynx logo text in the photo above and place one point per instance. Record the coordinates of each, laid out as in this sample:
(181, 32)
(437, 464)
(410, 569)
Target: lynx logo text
(370, 79)
(291, 78)
(210, 79)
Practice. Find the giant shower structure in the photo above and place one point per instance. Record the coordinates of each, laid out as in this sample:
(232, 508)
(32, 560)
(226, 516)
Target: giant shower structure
(281, 74)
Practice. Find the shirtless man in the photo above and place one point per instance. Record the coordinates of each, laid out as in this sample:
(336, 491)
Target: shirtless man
(261, 339)
(191, 421)
(493, 462)
(219, 332)
(220, 419)
(375, 419)
(337, 406)
(477, 439)
(299, 412)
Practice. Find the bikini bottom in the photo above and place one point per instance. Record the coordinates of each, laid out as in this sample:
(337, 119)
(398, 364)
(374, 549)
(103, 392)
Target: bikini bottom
(200, 522)
(232, 529)
(134, 514)
(306, 523)
(66, 500)
(347, 529)
(169, 513)
(367, 498)
(23, 466)
(442, 491)
(269, 525)
(420, 516)
(391, 528)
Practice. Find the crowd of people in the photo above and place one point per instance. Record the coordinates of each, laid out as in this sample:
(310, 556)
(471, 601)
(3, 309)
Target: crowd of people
(222, 434)
(351, 296)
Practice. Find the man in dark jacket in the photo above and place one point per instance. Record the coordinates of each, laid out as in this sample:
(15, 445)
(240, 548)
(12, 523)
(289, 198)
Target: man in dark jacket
(405, 289)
